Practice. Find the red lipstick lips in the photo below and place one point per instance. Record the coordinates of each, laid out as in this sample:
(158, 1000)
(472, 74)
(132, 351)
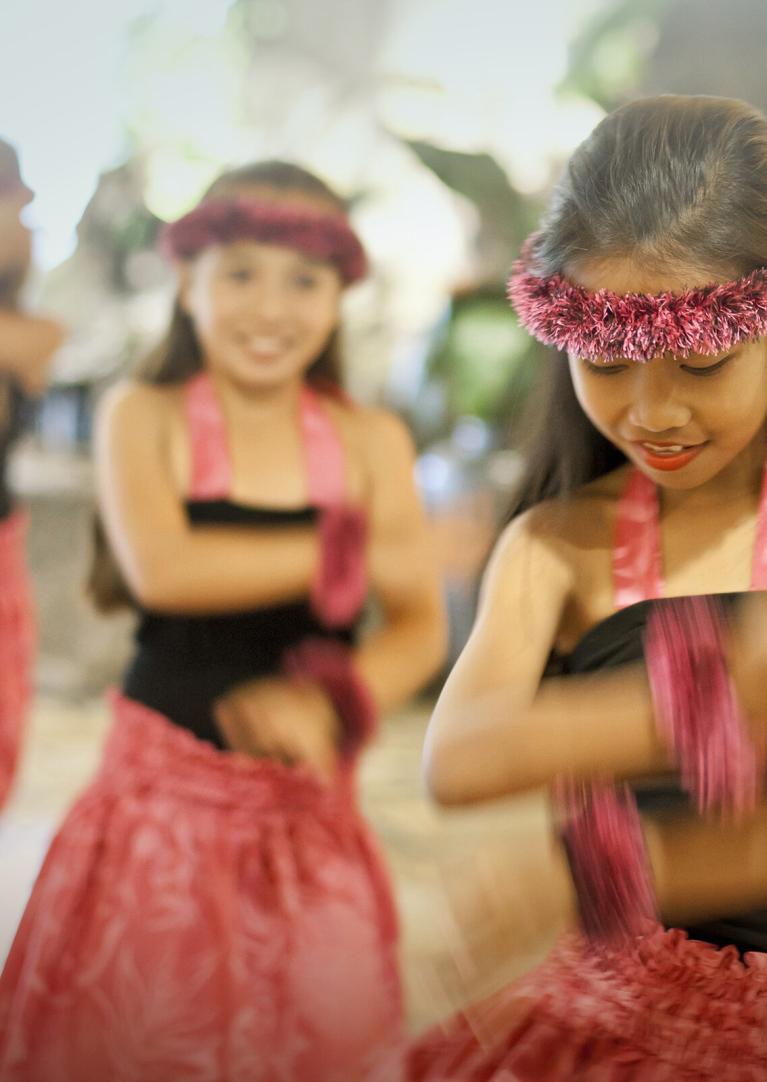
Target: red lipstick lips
(675, 458)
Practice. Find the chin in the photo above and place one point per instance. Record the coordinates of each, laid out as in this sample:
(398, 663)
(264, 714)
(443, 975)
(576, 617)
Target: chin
(266, 377)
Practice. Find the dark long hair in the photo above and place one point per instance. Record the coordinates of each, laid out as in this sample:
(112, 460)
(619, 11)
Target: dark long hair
(178, 355)
(673, 183)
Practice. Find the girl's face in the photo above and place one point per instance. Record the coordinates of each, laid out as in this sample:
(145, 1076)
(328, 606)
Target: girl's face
(262, 313)
(681, 421)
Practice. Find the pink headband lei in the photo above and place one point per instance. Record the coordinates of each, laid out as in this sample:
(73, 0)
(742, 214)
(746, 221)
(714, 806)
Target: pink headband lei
(327, 237)
(638, 326)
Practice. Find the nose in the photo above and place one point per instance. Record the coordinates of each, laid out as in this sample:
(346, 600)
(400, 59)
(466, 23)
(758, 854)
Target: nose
(269, 301)
(656, 406)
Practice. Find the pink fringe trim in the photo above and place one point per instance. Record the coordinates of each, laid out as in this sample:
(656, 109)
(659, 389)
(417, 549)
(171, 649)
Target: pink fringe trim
(340, 586)
(669, 1009)
(697, 709)
(328, 237)
(637, 326)
(330, 665)
(602, 835)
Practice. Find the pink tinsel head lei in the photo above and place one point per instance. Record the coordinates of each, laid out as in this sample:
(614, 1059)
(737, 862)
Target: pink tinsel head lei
(327, 237)
(638, 326)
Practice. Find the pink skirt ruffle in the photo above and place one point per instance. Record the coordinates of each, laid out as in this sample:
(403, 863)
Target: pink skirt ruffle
(202, 917)
(670, 1009)
(17, 643)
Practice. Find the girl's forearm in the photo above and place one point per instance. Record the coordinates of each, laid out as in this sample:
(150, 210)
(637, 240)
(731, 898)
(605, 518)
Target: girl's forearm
(706, 869)
(223, 570)
(701, 871)
(399, 658)
(584, 726)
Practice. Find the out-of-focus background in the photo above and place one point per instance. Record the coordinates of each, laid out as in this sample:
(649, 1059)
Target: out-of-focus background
(444, 122)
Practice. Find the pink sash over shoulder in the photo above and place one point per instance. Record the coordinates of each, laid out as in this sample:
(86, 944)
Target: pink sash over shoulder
(203, 916)
(664, 1008)
(17, 642)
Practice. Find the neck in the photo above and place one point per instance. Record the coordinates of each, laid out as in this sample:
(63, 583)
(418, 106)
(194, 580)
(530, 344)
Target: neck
(262, 406)
(739, 482)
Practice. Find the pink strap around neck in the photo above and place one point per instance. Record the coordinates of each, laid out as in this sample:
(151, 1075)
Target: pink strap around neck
(211, 470)
(325, 461)
(637, 555)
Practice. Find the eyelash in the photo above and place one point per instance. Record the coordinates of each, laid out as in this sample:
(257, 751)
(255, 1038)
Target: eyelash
(611, 370)
(708, 371)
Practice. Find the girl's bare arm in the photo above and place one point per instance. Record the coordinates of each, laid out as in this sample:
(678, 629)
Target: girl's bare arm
(167, 564)
(498, 727)
(399, 657)
(27, 345)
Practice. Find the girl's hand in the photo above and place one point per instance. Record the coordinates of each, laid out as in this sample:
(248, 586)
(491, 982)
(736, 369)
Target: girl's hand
(278, 719)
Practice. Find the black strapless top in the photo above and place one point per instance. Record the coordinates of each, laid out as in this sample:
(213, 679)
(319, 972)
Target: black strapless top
(184, 663)
(616, 641)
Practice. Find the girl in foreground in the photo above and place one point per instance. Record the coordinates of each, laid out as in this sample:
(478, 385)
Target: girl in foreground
(618, 645)
(27, 343)
(213, 908)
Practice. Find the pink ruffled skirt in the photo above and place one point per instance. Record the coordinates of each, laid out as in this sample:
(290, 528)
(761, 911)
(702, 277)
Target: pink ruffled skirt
(202, 917)
(670, 1009)
(17, 643)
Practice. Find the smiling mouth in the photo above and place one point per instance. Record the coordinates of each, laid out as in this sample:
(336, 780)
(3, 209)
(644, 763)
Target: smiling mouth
(668, 448)
(668, 456)
(266, 348)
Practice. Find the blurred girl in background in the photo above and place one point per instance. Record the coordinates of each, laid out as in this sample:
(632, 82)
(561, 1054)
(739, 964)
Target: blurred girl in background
(214, 908)
(27, 344)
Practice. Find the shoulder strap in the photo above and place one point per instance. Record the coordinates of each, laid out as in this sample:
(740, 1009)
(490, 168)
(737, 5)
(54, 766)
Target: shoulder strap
(211, 470)
(324, 452)
(759, 566)
(637, 557)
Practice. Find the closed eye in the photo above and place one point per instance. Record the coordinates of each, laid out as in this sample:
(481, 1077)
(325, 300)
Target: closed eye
(608, 369)
(708, 370)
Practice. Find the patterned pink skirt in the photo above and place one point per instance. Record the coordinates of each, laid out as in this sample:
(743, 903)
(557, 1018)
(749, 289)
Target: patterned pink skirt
(17, 642)
(202, 917)
(669, 1010)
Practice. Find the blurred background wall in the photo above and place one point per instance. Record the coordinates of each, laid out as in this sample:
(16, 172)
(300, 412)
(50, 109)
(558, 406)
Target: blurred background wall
(443, 121)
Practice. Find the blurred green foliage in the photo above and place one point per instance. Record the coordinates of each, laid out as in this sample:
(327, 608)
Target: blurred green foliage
(483, 362)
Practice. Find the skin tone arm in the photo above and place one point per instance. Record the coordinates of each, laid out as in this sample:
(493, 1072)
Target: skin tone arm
(167, 565)
(498, 728)
(27, 344)
(400, 656)
(274, 717)
(701, 869)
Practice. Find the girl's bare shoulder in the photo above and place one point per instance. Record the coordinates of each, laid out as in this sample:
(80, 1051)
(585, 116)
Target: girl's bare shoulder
(132, 401)
(581, 522)
(375, 433)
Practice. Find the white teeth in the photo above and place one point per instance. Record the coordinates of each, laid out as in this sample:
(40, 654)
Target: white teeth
(265, 345)
(674, 449)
